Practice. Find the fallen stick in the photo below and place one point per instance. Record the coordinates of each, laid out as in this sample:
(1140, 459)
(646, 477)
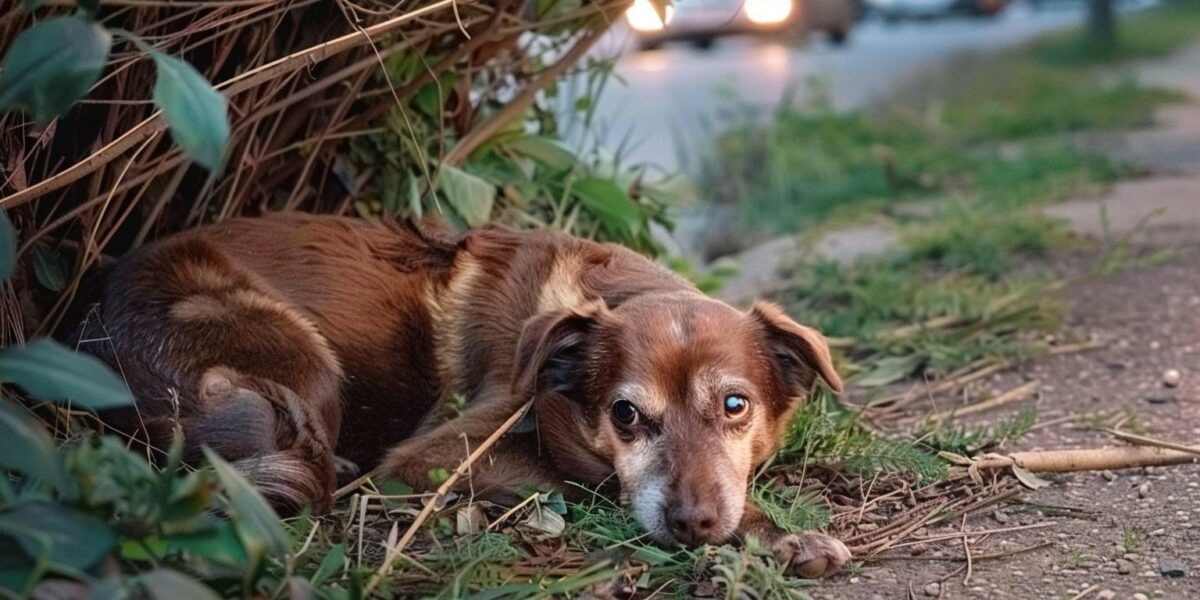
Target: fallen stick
(1013, 395)
(431, 506)
(977, 558)
(1088, 459)
(1142, 440)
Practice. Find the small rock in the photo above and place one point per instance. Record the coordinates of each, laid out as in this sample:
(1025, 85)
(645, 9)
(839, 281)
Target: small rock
(933, 589)
(1144, 490)
(1171, 378)
(865, 527)
(1000, 517)
(1108, 475)
(1170, 567)
(1140, 596)
(1124, 567)
(854, 580)
(1106, 595)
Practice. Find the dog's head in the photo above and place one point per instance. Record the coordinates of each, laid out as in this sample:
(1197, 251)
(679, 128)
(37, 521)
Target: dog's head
(680, 395)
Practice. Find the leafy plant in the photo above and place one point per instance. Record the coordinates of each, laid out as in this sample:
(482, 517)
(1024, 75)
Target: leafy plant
(826, 433)
(967, 441)
(53, 64)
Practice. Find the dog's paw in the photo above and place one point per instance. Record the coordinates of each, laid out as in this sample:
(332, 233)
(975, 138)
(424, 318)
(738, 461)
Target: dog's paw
(811, 555)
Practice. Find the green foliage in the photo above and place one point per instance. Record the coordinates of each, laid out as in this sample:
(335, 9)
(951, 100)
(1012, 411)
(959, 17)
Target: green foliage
(49, 371)
(8, 247)
(1152, 33)
(984, 243)
(51, 65)
(196, 114)
(96, 499)
(54, 63)
(790, 508)
(524, 176)
(49, 268)
(967, 441)
(825, 432)
(751, 572)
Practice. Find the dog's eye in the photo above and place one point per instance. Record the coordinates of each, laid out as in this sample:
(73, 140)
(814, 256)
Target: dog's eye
(624, 412)
(735, 405)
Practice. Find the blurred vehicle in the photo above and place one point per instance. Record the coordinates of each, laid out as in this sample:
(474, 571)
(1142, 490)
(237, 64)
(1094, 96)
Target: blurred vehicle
(702, 21)
(895, 10)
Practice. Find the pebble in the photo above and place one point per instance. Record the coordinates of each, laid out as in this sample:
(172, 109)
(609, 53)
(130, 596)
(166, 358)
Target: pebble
(1171, 378)
(1108, 475)
(865, 527)
(1143, 490)
(1124, 567)
(1140, 596)
(933, 589)
(1106, 595)
(1170, 567)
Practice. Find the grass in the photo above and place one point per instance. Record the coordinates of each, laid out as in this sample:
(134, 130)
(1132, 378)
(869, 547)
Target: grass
(1150, 34)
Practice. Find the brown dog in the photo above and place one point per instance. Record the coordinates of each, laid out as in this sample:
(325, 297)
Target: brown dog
(284, 340)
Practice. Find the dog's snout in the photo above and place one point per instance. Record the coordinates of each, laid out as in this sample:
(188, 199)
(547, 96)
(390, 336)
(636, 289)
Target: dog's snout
(693, 522)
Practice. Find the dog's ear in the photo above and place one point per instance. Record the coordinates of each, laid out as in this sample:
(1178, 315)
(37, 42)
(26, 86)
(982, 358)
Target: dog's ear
(552, 349)
(799, 353)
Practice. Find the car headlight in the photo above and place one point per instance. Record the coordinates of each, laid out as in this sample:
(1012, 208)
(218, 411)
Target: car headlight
(768, 12)
(643, 16)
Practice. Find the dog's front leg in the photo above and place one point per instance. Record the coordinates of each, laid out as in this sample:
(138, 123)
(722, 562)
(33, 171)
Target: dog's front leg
(496, 475)
(808, 554)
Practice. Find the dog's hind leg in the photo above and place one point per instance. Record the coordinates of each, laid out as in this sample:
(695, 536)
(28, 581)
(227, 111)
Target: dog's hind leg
(211, 350)
(270, 434)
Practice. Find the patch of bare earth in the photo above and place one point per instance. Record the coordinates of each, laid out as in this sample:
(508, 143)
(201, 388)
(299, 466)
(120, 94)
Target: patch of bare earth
(1091, 534)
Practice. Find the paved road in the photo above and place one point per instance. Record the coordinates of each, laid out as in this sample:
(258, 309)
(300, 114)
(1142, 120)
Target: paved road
(674, 89)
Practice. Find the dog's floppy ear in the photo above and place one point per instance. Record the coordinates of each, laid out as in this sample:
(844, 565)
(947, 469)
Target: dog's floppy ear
(552, 348)
(799, 353)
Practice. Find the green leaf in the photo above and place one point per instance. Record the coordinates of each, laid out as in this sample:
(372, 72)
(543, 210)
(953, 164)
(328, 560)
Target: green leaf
(332, 564)
(49, 371)
(17, 571)
(165, 584)
(547, 151)
(196, 114)
(57, 534)
(52, 65)
(470, 196)
(50, 268)
(609, 203)
(219, 543)
(257, 523)
(26, 447)
(8, 247)
(890, 370)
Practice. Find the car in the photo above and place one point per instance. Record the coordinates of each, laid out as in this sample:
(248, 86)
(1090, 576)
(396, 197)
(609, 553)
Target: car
(701, 22)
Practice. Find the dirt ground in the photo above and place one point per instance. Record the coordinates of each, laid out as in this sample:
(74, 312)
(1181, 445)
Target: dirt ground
(1114, 534)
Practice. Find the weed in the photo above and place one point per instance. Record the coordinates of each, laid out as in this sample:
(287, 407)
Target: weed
(1131, 538)
(826, 433)
(969, 441)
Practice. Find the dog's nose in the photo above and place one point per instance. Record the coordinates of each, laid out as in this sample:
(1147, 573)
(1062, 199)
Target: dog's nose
(692, 523)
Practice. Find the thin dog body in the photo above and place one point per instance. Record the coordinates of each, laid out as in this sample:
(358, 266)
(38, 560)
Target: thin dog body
(285, 341)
